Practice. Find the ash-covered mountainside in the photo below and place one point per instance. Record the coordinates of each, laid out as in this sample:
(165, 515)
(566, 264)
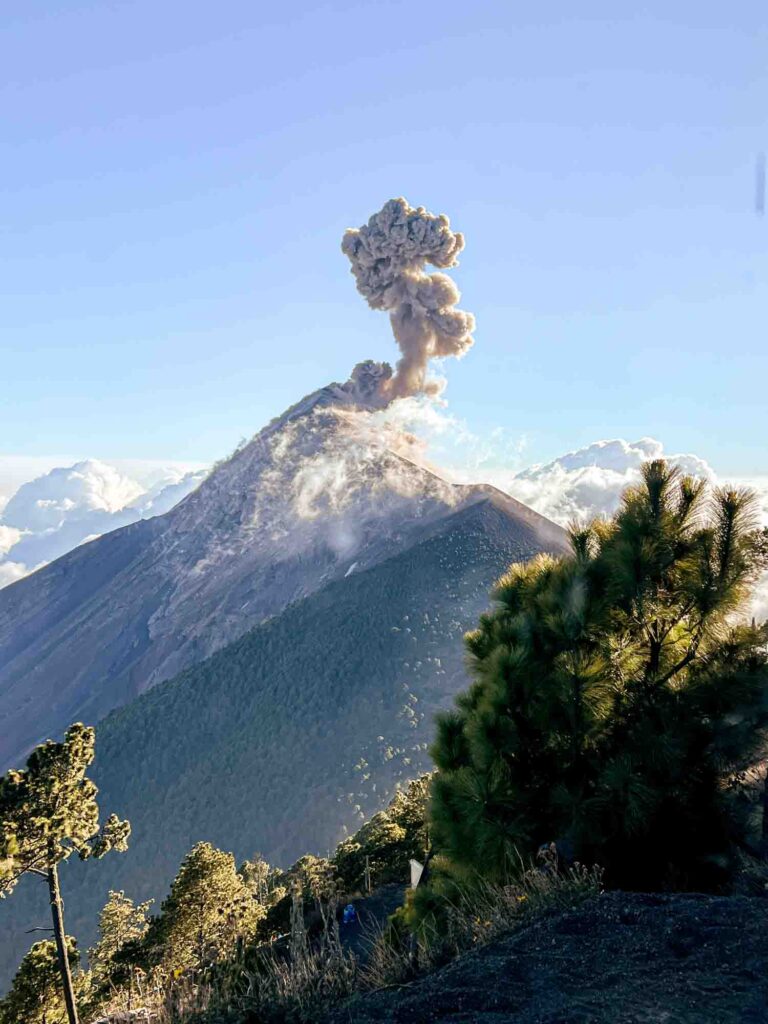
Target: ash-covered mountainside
(314, 496)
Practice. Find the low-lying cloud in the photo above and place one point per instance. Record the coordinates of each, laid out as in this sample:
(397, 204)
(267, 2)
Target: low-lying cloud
(12, 571)
(8, 537)
(69, 505)
(589, 482)
(68, 494)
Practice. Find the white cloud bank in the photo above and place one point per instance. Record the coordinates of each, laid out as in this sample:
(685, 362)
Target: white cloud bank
(8, 537)
(68, 494)
(10, 572)
(66, 506)
(590, 481)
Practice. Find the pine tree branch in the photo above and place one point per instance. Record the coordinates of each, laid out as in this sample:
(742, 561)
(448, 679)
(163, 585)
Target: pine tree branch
(686, 660)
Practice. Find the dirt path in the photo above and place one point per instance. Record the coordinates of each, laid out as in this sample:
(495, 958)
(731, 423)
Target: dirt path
(372, 914)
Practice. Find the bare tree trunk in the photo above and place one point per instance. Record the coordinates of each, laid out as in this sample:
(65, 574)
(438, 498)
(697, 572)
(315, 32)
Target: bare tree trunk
(57, 912)
(764, 836)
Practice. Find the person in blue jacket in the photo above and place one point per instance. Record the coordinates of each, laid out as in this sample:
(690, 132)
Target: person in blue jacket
(350, 914)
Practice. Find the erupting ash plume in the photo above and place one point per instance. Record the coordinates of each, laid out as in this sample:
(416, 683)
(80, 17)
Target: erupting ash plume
(388, 256)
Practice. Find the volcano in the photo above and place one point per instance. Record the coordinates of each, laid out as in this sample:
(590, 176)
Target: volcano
(311, 499)
(263, 663)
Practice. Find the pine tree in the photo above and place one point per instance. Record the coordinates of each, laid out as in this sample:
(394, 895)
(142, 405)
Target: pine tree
(122, 924)
(309, 883)
(48, 811)
(207, 911)
(35, 996)
(619, 693)
(262, 880)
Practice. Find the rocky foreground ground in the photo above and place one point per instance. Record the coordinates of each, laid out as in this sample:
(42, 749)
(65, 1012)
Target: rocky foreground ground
(619, 959)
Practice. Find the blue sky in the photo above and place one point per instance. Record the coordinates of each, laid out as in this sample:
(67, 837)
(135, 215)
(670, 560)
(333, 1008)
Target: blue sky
(177, 178)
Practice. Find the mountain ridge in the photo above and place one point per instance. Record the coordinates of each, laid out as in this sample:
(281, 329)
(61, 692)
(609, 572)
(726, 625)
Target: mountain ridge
(307, 497)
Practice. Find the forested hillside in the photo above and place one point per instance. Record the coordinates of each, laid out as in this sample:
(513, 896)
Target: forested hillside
(297, 731)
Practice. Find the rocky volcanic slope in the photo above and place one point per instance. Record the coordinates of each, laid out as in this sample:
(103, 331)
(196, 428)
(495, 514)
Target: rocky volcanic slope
(297, 731)
(624, 958)
(308, 500)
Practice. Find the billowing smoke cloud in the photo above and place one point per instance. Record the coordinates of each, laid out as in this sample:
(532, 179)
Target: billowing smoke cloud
(388, 256)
